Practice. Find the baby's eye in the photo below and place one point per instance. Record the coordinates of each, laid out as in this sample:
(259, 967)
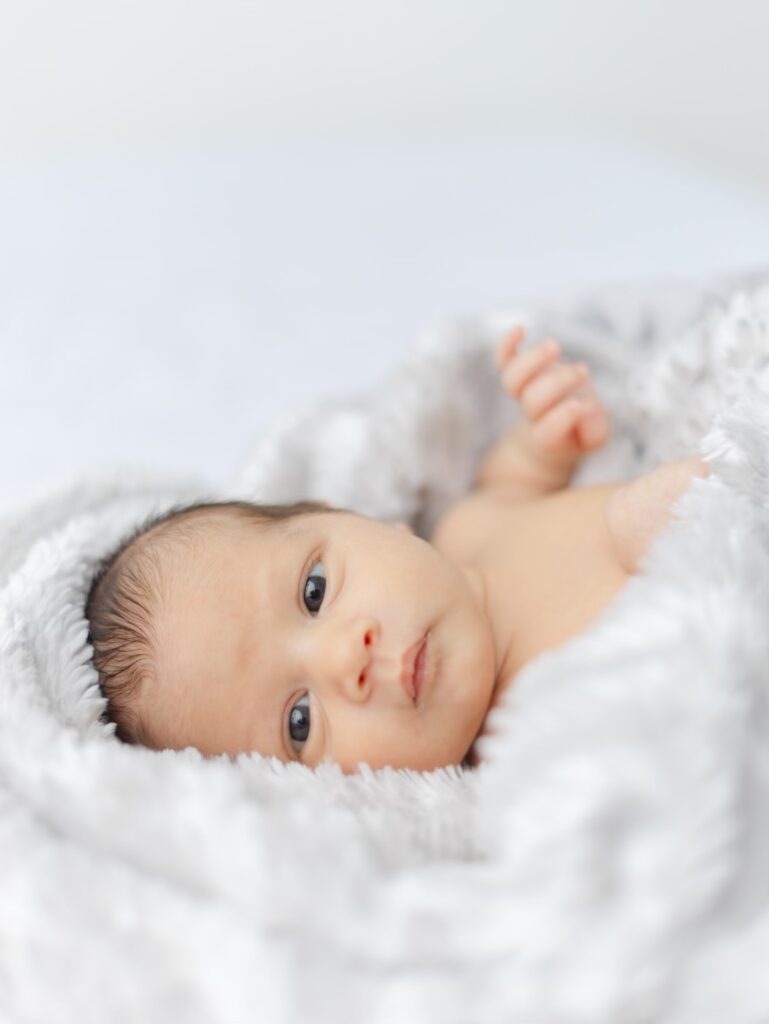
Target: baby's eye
(299, 722)
(314, 589)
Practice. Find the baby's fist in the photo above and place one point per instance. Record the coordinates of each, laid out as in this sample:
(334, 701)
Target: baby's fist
(563, 416)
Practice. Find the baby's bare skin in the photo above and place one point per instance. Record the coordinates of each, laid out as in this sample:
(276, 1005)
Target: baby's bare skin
(553, 558)
(551, 565)
(548, 564)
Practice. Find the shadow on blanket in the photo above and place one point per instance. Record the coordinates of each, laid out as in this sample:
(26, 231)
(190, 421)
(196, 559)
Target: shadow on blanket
(608, 859)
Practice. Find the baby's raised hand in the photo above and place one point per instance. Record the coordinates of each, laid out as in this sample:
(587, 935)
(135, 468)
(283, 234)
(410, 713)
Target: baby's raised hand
(563, 417)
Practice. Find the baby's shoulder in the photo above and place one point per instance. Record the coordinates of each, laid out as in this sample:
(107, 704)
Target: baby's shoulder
(634, 512)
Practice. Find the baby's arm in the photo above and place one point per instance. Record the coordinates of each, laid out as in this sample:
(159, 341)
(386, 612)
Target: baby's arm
(562, 419)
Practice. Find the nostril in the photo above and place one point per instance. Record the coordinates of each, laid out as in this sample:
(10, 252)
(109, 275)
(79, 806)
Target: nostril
(368, 637)
(362, 676)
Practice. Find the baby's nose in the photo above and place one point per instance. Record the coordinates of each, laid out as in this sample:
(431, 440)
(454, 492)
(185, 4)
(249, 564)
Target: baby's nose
(347, 658)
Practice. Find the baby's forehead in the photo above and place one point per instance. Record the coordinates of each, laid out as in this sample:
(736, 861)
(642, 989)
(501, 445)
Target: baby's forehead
(216, 540)
(212, 537)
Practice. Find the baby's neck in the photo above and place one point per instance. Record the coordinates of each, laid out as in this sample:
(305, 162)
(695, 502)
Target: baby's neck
(484, 585)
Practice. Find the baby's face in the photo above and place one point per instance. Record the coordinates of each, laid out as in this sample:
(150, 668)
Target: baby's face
(289, 640)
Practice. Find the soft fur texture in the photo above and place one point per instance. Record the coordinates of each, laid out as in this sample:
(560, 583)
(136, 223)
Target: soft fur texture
(607, 861)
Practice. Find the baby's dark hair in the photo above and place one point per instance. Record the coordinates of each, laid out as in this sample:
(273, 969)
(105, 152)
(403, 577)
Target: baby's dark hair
(128, 588)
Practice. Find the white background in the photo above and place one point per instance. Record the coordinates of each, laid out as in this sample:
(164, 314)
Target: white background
(210, 213)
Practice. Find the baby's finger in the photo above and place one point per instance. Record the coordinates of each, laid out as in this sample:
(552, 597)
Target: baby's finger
(520, 370)
(594, 428)
(507, 346)
(550, 387)
(553, 430)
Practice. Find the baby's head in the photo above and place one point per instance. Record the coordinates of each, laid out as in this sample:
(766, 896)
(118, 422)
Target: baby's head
(290, 631)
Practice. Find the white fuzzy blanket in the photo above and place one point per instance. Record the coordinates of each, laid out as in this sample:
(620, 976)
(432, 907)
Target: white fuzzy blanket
(609, 861)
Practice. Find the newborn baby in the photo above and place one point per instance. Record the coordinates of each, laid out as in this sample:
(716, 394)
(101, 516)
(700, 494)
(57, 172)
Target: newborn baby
(311, 633)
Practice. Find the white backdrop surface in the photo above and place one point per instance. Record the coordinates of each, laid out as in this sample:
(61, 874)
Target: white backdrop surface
(161, 311)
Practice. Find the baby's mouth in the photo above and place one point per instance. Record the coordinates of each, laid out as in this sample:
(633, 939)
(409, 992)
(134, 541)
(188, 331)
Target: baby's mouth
(421, 667)
(410, 679)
